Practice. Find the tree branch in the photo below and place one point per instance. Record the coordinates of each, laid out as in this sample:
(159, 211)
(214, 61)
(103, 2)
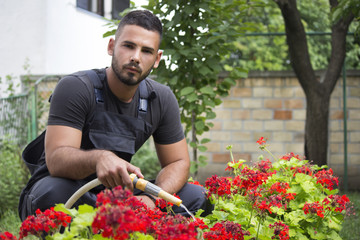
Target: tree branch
(338, 48)
(298, 49)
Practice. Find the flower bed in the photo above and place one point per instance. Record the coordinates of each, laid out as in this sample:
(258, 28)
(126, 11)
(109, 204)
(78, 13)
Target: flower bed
(289, 198)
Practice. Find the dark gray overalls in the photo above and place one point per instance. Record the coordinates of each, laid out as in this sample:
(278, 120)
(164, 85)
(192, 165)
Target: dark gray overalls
(127, 134)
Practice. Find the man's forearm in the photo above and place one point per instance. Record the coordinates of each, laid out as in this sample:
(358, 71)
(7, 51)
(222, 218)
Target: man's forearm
(173, 177)
(73, 163)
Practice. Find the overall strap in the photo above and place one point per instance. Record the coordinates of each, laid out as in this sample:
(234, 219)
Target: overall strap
(98, 87)
(143, 100)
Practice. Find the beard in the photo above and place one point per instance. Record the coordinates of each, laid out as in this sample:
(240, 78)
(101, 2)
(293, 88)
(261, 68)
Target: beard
(128, 78)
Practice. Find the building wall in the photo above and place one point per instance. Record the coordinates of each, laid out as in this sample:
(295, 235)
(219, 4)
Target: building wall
(52, 37)
(273, 106)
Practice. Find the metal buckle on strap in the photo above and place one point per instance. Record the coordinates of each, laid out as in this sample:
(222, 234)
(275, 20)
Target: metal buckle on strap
(143, 105)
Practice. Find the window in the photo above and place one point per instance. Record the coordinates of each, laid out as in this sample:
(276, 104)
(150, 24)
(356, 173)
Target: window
(105, 8)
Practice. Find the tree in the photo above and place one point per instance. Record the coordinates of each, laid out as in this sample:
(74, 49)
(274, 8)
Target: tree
(317, 91)
(198, 37)
(265, 48)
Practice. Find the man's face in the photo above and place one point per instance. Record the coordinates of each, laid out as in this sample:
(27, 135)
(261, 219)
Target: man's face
(134, 54)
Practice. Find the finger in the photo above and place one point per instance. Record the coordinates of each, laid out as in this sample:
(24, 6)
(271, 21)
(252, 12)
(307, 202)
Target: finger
(104, 182)
(133, 169)
(125, 178)
(111, 182)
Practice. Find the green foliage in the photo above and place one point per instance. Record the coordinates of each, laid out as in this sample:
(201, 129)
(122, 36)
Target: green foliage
(198, 36)
(146, 159)
(344, 9)
(265, 47)
(13, 175)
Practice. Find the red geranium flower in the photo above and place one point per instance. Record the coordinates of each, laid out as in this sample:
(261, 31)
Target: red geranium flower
(315, 207)
(7, 236)
(44, 222)
(326, 179)
(281, 231)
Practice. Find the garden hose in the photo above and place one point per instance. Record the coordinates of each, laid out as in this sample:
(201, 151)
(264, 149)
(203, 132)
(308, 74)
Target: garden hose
(139, 183)
(81, 191)
(152, 189)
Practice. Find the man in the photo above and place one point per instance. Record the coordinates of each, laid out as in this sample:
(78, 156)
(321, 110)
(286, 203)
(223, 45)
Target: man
(93, 135)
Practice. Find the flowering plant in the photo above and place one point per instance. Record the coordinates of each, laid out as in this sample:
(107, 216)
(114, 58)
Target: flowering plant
(285, 199)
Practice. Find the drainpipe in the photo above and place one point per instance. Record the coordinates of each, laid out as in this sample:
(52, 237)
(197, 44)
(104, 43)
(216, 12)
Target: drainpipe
(345, 130)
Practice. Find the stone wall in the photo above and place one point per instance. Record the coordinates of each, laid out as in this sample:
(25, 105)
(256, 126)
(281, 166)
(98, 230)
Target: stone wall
(272, 105)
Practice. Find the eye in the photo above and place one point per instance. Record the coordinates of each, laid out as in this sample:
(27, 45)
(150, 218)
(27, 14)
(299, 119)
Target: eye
(147, 51)
(128, 45)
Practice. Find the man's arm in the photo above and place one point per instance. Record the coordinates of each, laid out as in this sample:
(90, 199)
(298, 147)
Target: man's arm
(175, 163)
(64, 158)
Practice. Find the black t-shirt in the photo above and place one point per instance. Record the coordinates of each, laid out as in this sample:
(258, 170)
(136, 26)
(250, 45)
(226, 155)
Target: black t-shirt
(73, 102)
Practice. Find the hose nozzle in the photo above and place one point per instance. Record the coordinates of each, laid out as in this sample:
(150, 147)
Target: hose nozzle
(154, 190)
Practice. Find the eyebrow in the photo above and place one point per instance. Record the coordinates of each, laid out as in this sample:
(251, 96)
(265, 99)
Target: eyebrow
(144, 48)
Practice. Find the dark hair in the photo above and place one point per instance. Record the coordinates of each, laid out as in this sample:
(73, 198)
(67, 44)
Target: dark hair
(141, 18)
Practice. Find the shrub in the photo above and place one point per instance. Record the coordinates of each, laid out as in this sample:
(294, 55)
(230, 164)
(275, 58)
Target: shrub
(147, 160)
(13, 175)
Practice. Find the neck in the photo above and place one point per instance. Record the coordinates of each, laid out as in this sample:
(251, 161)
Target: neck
(122, 91)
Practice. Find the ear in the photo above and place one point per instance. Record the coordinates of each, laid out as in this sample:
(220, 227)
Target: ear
(111, 46)
(158, 58)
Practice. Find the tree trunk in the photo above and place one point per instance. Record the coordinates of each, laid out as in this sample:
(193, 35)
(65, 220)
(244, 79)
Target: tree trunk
(316, 127)
(317, 91)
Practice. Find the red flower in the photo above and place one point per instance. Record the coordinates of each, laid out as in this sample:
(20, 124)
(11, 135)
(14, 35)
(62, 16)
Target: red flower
(264, 165)
(261, 141)
(196, 183)
(226, 230)
(326, 179)
(336, 202)
(122, 216)
(315, 207)
(47, 221)
(219, 186)
(289, 156)
(7, 236)
(281, 231)
(263, 206)
(279, 187)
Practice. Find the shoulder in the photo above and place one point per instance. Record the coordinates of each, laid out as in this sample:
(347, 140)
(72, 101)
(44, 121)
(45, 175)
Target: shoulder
(158, 90)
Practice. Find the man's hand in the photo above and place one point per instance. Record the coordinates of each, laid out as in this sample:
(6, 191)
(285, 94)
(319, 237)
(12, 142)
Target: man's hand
(113, 171)
(64, 158)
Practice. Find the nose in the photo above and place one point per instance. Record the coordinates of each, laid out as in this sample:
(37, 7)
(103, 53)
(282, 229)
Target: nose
(135, 57)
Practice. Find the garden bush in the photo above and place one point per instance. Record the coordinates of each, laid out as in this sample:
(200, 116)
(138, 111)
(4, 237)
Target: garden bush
(13, 175)
(146, 159)
(288, 198)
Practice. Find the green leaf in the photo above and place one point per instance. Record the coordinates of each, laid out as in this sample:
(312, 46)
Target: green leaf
(205, 140)
(192, 97)
(207, 90)
(202, 148)
(186, 91)
(220, 215)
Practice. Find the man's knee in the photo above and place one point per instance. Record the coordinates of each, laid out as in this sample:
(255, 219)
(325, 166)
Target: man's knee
(194, 197)
(46, 193)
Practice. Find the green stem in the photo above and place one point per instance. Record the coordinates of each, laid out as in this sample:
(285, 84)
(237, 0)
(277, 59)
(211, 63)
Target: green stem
(250, 217)
(257, 232)
(271, 154)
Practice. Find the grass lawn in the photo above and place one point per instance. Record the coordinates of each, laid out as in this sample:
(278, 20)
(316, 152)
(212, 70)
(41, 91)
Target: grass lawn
(9, 221)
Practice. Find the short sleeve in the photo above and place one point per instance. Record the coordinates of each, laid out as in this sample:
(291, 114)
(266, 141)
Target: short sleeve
(71, 103)
(169, 129)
